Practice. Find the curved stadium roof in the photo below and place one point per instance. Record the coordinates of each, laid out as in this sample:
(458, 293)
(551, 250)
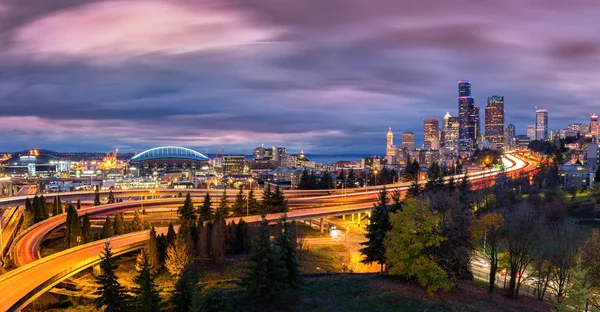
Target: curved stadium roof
(169, 152)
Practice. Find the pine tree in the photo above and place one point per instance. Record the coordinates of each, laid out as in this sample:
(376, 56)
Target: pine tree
(38, 213)
(597, 177)
(286, 247)
(147, 298)
(107, 229)
(136, 223)
(86, 229)
(397, 199)
(304, 183)
(252, 204)
(464, 190)
(267, 202)
(218, 235)
(375, 250)
(205, 210)
(171, 234)
(451, 186)
(414, 190)
(153, 249)
(239, 206)
(111, 295)
(74, 235)
(280, 204)
(351, 180)
(111, 198)
(186, 289)
(28, 214)
(44, 204)
(119, 225)
(265, 273)
(223, 209)
(79, 204)
(186, 212)
(58, 210)
(97, 197)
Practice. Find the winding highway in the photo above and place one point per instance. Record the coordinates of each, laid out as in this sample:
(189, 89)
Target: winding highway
(35, 276)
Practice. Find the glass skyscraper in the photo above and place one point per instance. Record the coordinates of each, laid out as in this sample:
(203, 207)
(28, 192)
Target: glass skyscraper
(468, 117)
(541, 124)
(494, 120)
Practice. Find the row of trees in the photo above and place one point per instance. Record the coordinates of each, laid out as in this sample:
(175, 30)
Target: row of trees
(272, 268)
(39, 209)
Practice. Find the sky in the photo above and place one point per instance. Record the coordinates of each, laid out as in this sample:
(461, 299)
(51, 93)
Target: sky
(328, 76)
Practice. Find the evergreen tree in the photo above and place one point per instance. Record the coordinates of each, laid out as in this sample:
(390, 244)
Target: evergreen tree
(267, 202)
(111, 198)
(147, 298)
(265, 273)
(186, 289)
(171, 234)
(79, 204)
(38, 213)
(111, 295)
(58, 210)
(597, 177)
(239, 206)
(252, 203)
(341, 178)
(97, 197)
(396, 198)
(286, 247)
(377, 230)
(28, 214)
(107, 229)
(136, 223)
(119, 225)
(86, 229)
(241, 241)
(451, 186)
(153, 249)
(464, 190)
(205, 210)
(44, 204)
(326, 182)
(74, 232)
(223, 209)
(351, 180)
(280, 204)
(186, 212)
(304, 183)
(414, 190)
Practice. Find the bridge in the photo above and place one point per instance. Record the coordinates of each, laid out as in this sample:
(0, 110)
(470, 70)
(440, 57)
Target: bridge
(37, 276)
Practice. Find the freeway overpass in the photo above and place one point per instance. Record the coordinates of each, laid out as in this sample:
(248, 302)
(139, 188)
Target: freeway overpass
(36, 277)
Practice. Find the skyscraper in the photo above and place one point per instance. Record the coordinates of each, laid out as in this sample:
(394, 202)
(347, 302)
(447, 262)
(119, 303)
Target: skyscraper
(594, 128)
(390, 138)
(476, 124)
(449, 136)
(390, 149)
(510, 136)
(408, 140)
(468, 116)
(431, 133)
(541, 124)
(494, 120)
(531, 132)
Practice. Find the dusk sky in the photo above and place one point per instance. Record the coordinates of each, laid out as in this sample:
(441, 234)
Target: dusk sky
(328, 76)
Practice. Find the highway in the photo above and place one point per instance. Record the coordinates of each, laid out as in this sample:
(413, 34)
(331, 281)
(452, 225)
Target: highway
(53, 269)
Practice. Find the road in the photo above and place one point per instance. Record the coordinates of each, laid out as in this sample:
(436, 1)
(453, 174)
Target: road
(57, 267)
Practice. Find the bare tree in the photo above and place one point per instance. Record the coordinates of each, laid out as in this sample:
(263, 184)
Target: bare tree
(564, 255)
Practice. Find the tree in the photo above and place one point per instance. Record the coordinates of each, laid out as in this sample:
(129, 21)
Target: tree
(435, 179)
(178, 256)
(351, 180)
(409, 242)
(488, 234)
(146, 296)
(58, 210)
(28, 214)
(223, 209)
(396, 198)
(136, 223)
(111, 198)
(217, 244)
(186, 289)
(377, 230)
(239, 206)
(74, 233)
(305, 182)
(597, 176)
(186, 212)
(86, 229)
(521, 239)
(205, 210)
(153, 249)
(564, 255)
(580, 294)
(265, 273)
(590, 257)
(119, 225)
(171, 235)
(107, 229)
(79, 204)
(38, 210)
(252, 203)
(266, 206)
(413, 190)
(280, 204)
(44, 204)
(111, 295)
(97, 197)
(464, 190)
(286, 247)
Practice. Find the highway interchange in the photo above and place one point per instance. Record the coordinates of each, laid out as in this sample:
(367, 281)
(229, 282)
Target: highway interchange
(36, 275)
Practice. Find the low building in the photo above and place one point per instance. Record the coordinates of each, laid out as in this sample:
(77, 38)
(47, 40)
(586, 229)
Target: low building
(576, 175)
(287, 174)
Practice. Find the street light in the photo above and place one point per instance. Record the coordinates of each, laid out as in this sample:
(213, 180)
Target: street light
(375, 172)
(248, 198)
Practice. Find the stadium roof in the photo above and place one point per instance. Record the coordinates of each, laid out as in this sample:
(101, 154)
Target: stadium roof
(171, 152)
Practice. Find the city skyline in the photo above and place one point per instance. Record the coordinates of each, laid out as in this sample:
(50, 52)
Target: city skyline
(283, 75)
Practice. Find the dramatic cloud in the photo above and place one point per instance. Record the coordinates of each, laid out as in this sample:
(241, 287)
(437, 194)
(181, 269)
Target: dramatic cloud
(327, 76)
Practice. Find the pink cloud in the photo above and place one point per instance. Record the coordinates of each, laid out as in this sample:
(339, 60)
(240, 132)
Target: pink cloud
(121, 29)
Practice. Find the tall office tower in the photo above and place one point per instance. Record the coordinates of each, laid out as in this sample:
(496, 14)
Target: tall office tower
(390, 149)
(531, 132)
(431, 133)
(541, 124)
(390, 138)
(468, 115)
(510, 136)
(446, 121)
(449, 137)
(594, 128)
(494, 120)
(408, 140)
(476, 124)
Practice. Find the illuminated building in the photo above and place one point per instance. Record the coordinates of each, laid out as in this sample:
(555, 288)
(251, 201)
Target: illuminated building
(541, 124)
(494, 120)
(510, 136)
(408, 140)
(468, 116)
(431, 133)
(449, 136)
(167, 159)
(594, 129)
(390, 150)
(531, 132)
(35, 163)
(234, 164)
